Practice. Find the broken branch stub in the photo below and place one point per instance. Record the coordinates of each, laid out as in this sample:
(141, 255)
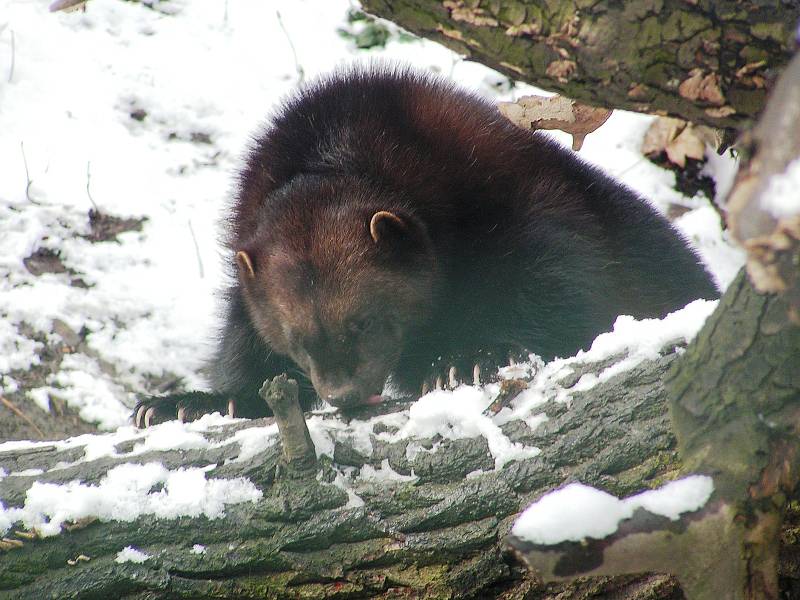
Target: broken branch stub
(281, 394)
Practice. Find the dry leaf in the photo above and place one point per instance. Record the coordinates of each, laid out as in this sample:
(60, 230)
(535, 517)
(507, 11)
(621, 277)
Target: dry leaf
(721, 112)
(704, 88)
(557, 112)
(679, 140)
(467, 14)
(561, 69)
(528, 29)
(638, 91)
(660, 133)
(686, 145)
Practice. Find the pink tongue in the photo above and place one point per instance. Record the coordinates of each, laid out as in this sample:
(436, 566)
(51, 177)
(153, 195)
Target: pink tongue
(374, 399)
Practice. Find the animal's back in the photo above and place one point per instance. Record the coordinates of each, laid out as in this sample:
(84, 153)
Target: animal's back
(400, 128)
(522, 246)
(500, 199)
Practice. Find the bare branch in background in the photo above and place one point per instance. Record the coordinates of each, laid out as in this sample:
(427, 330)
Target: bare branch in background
(88, 181)
(297, 66)
(196, 251)
(27, 175)
(13, 57)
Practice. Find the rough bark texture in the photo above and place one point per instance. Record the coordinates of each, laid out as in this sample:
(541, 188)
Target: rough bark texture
(737, 389)
(734, 407)
(736, 413)
(439, 537)
(772, 243)
(707, 62)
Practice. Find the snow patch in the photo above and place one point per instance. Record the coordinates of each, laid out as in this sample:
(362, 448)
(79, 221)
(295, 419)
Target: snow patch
(633, 340)
(384, 475)
(459, 414)
(198, 549)
(577, 511)
(171, 435)
(131, 554)
(254, 441)
(17, 352)
(782, 196)
(343, 481)
(127, 492)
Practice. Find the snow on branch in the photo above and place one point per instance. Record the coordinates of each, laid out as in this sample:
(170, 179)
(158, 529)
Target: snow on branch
(422, 493)
(733, 409)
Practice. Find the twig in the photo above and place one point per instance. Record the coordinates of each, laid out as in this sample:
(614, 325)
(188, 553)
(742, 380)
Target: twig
(196, 250)
(8, 404)
(13, 55)
(88, 181)
(27, 175)
(297, 66)
(630, 167)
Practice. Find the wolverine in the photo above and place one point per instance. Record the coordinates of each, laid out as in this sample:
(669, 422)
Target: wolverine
(389, 227)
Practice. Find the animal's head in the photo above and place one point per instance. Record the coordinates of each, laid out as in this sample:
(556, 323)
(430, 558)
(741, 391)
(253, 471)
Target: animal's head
(337, 280)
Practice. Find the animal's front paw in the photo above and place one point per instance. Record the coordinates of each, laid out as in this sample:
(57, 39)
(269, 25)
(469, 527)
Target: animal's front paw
(184, 407)
(477, 369)
(451, 376)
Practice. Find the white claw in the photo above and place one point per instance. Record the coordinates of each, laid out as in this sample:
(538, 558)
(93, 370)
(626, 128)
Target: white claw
(438, 382)
(148, 416)
(231, 408)
(425, 388)
(181, 414)
(139, 416)
(452, 378)
(476, 375)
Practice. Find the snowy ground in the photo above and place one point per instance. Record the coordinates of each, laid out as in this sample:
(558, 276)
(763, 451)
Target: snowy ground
(143, 113)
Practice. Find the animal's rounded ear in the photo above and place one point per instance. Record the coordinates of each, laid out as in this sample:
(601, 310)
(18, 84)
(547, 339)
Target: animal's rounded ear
(385, 225)
(245, 265)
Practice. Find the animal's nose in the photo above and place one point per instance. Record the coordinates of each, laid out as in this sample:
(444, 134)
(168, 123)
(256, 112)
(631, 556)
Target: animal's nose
(339, 396)
(343, 400)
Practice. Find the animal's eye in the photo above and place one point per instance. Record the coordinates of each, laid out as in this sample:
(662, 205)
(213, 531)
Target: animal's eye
(361, 326)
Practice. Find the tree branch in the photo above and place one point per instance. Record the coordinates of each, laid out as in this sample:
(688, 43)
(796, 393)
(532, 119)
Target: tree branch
(707, 63)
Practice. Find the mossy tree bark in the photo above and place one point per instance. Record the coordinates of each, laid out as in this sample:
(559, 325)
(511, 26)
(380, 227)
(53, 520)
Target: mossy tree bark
(707, 62)
(441, 536)
(735, 409)
(733, 396)
(736, 413)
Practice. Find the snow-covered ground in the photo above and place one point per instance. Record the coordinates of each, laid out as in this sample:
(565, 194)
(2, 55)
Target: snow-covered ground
(143, 112)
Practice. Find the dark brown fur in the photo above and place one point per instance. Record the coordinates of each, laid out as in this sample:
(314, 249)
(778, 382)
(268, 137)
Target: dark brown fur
(396, 225)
